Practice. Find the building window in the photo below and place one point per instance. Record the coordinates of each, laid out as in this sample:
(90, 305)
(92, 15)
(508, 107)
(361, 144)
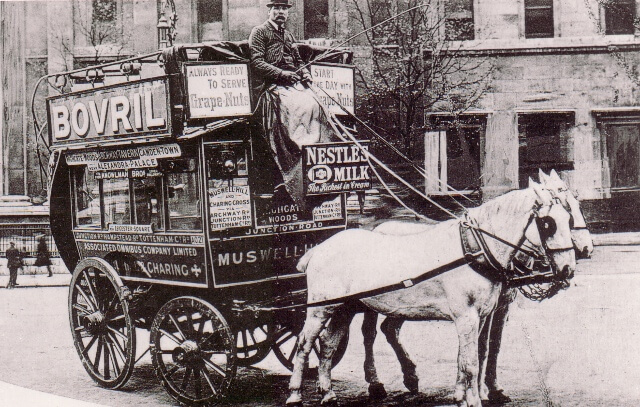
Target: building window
(619, 16)
(316, 19)
(379, 11)
(621, 136)
(98, 23)
(209, 20)
(459, 20)
(453, 154)
(543, 143)
(538, 18)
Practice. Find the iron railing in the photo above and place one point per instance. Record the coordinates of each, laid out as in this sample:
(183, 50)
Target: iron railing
(26, 236)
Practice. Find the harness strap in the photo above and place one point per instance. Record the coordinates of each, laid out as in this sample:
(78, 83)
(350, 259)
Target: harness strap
(477, 254)
(393, 287)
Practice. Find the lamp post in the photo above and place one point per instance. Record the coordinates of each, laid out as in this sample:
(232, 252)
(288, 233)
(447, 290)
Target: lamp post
(167, 24)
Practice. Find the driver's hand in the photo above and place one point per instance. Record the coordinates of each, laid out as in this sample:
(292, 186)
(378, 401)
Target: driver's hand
(290, 77)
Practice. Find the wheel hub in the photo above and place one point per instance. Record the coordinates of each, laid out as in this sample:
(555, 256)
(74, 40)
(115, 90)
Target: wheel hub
(188, 353)
(95, 323)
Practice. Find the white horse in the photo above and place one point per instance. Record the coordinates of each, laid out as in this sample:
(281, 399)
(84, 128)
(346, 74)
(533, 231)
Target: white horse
(489, 387)
(583, 245)
(349, 263)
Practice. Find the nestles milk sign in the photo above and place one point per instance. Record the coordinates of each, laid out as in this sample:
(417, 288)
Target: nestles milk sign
(218, 90)
(336, 167)
(121, 111)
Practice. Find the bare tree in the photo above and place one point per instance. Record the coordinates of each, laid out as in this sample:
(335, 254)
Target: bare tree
(415, 65)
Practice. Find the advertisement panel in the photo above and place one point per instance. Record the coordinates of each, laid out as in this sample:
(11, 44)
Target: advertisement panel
(335, 86)
(335, 167)
(134, 109)
(217, 90)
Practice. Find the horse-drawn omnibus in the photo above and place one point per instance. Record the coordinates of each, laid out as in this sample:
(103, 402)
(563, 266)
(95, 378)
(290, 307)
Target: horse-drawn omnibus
(163, 208)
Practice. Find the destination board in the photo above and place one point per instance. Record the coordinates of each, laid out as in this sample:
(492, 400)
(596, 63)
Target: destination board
(260, 258)
(230, 207)
(217, 90)
(122, 159)
(131, 110)
(147, 257)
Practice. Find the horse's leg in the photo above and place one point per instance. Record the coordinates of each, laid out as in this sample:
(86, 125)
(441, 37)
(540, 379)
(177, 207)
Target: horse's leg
(483, 351)
(500, 317)
(467, 325)
(314, 323)
(329, 341)
(369, 332)
(391, 330)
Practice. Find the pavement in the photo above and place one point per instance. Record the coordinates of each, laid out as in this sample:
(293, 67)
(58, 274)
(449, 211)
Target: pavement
(12, 395)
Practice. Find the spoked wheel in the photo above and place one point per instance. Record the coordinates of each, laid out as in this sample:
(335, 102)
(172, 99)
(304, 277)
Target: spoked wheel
(286, 345)
(102, 328)
(254, 344)
(193, 351)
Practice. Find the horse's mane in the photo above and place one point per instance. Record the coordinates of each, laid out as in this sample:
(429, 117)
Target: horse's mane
(504, 206)
(497, 215)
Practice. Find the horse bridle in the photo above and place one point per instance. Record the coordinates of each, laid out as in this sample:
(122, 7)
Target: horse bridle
(479, 256)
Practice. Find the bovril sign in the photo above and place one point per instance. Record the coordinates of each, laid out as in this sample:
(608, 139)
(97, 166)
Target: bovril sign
(121, 111)
(336, 167)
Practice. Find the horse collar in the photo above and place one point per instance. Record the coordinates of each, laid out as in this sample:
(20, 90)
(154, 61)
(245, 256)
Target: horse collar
(476, 252)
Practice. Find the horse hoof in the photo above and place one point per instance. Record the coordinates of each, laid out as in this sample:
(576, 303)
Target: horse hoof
(411, 383)
(377, 391)
(498, 397)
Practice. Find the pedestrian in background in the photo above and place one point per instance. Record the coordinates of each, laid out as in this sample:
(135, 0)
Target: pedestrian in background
(43, 257)
(14, 262)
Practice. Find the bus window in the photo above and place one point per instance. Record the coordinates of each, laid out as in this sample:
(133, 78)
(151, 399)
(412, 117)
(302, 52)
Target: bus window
(183, 196)
(147, 194)
(116, 201)
(87, 199)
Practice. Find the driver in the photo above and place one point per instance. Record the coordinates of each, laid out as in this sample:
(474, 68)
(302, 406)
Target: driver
(274, 58)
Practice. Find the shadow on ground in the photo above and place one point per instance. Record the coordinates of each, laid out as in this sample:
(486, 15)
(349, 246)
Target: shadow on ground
(257, 387)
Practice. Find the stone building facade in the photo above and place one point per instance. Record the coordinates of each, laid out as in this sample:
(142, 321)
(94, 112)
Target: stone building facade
(563, 92)
(564, 95)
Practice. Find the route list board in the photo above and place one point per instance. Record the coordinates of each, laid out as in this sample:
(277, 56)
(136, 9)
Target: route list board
(229, 207)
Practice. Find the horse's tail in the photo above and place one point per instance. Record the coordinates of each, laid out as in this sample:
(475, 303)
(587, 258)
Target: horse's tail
(304, 261)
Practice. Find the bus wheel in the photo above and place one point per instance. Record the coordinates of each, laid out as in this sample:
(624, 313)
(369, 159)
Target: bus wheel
(253, 344)
(193, 351)
(102, 328)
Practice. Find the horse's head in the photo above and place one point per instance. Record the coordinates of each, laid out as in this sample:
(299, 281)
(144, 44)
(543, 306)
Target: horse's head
(582, 241)
(554, 235)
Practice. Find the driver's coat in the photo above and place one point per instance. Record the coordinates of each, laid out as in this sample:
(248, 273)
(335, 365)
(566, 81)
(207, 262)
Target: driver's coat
(358, 261)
